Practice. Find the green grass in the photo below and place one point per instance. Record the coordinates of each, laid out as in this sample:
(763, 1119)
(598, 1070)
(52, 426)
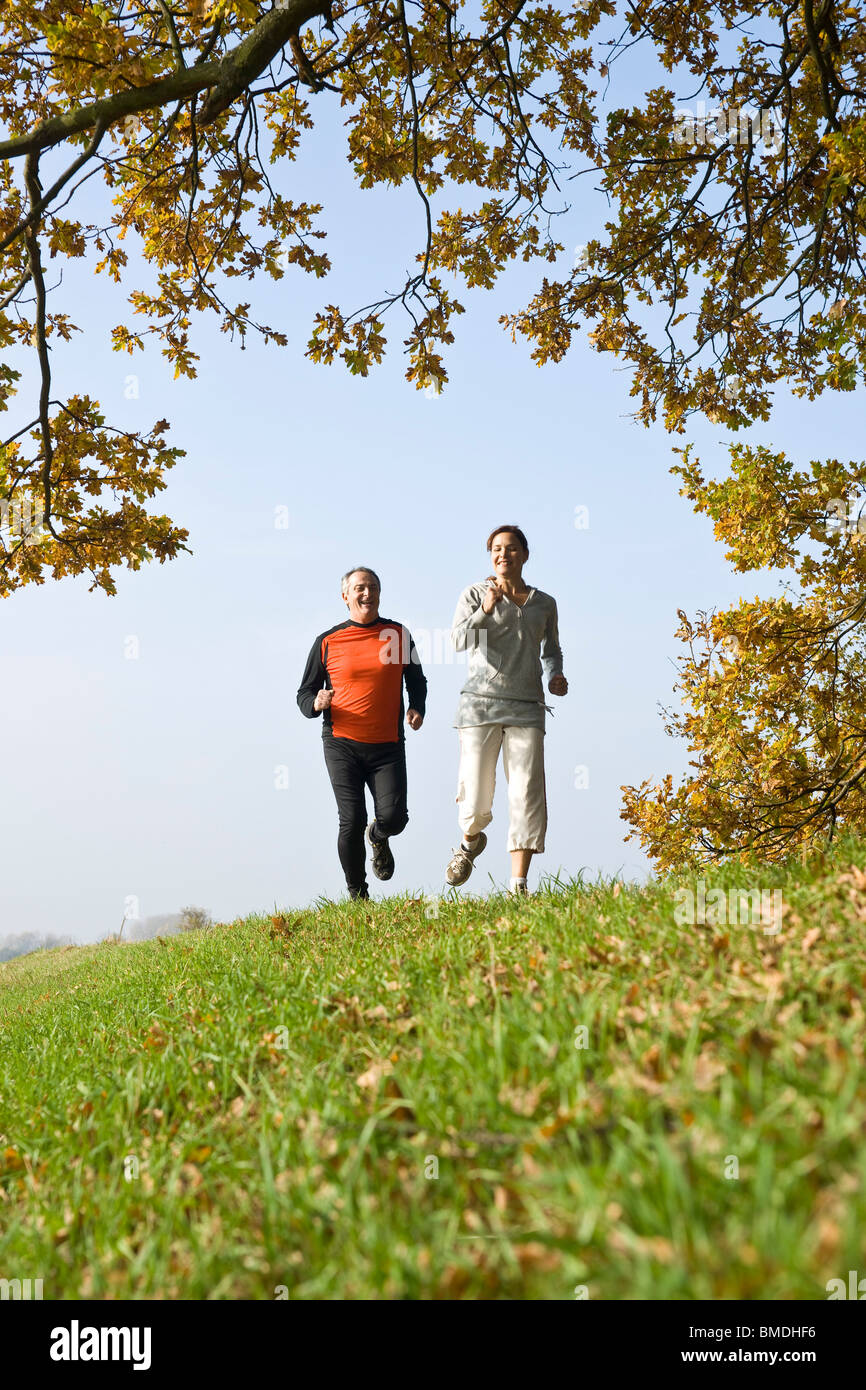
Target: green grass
(288, 1088)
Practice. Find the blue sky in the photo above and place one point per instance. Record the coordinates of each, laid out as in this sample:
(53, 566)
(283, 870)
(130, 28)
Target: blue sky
(154, 777)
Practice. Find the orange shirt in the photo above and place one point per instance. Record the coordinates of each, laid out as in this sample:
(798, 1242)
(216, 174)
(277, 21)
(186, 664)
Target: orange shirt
(364, 664)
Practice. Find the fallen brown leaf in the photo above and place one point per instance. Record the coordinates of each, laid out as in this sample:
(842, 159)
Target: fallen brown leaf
(369, 1079)
(708, 1069)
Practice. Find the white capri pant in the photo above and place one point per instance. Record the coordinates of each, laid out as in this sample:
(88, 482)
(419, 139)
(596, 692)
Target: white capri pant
(523, 762)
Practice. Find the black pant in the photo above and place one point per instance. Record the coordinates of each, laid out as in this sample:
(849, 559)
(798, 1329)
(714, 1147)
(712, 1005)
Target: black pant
(351, 767)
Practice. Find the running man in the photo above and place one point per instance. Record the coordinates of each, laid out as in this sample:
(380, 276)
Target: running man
(354, 679)
(510, 629)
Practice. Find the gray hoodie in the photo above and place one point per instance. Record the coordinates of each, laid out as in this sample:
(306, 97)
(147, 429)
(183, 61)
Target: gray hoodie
(506, 651)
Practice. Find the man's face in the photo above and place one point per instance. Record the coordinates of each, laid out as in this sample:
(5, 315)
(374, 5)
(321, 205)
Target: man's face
(362, 597)
(508, 556)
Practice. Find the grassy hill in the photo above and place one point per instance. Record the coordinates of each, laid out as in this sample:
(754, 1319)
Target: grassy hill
(382, 1102)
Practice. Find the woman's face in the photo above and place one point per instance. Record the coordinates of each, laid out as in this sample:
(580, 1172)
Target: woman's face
(508, 556)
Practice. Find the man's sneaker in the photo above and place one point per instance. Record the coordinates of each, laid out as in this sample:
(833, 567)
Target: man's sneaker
(383, 859)
(460, 864)
(362, 893)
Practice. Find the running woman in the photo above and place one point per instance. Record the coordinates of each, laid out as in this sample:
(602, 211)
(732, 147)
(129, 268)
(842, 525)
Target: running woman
(354, 679)
(510, 630)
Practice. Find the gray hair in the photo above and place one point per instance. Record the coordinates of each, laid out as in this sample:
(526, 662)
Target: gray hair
(358, 569)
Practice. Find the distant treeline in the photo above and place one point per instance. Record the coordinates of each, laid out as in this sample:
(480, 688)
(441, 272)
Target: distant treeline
(137, 929)
(27, 941)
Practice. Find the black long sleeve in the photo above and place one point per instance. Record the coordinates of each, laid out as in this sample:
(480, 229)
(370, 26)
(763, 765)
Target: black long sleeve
(315, 678)
(416, 681)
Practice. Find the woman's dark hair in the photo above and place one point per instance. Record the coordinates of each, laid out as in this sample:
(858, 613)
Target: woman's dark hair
(515, 530)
